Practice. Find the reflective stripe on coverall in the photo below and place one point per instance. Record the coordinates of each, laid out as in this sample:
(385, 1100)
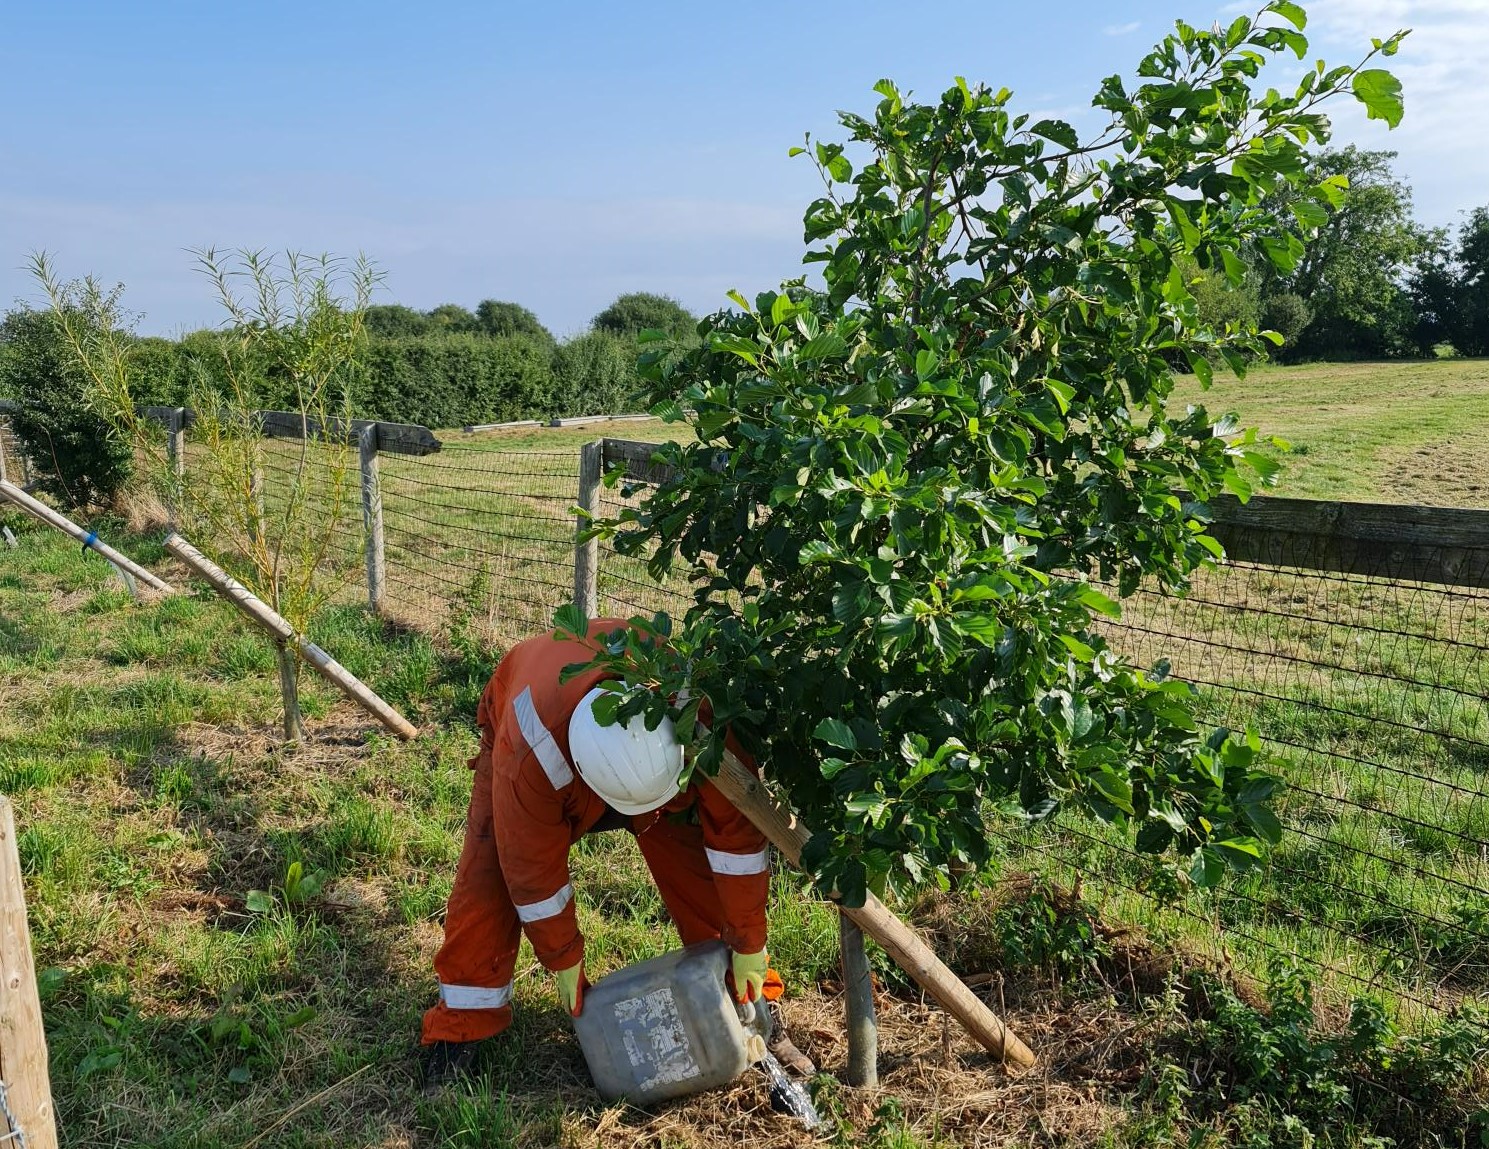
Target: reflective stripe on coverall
(528, 806)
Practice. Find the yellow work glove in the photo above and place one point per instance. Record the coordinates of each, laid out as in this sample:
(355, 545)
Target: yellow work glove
(571, 986)
(749, 975)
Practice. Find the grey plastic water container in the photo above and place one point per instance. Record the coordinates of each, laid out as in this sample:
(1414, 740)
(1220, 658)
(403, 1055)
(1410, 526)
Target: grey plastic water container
(667, 1027)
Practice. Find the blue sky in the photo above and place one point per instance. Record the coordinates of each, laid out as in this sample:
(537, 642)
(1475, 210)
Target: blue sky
(557, 154)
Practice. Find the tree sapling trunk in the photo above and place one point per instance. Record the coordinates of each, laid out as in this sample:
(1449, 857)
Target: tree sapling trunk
(858, 994)
(294, 729)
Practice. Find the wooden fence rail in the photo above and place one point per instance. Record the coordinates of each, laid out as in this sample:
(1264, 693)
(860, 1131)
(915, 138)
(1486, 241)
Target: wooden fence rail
(1444, 545)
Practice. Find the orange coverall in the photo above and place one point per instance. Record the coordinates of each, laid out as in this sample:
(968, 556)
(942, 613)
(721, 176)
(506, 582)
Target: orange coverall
(528, 806)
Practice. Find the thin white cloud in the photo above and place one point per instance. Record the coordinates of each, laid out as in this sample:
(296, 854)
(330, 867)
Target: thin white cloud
(1122, 29)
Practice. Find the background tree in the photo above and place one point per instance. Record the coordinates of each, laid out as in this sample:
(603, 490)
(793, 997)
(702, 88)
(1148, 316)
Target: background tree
(501, 319)
(1353, 271)
(640, 311)
(82, 457)
(1450, 288)
(902, 486)
(452, 319)
(394, 320)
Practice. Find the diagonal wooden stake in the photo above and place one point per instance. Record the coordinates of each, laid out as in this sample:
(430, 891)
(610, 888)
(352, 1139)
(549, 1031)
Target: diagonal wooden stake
(787, 833)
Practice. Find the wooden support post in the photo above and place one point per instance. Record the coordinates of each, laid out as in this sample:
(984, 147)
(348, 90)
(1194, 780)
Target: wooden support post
(858, 997)
(786, 832)
(277, 626)
(3, 476)
(372, 516)
(289, 690)
(587, 554)
(24, 1084)
(176, 443)
(87, 538)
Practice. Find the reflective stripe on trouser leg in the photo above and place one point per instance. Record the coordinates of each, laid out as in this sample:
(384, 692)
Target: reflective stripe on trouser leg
(475, 996)
(482, 932)
(739, 865)
(548, 907)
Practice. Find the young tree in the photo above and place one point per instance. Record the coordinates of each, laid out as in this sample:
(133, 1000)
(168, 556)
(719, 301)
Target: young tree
(902, 484)
(294, 335)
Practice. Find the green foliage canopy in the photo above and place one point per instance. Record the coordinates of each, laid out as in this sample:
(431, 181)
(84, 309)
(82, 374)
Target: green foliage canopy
(902, 484)
(81, 457)
(640, 311)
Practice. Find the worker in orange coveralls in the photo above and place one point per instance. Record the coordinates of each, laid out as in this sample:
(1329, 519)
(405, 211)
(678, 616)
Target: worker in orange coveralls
(547, 774)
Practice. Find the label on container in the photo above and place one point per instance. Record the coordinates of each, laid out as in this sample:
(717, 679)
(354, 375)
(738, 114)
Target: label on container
(655, 1039)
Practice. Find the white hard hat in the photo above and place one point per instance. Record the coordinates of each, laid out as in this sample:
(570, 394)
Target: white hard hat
(634, 769)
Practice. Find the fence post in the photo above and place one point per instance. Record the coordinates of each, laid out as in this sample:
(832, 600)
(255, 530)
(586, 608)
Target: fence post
(858, 997)
(176, 444)
(26, 1115)
(587, 554)
(372, 516)
(3, 476)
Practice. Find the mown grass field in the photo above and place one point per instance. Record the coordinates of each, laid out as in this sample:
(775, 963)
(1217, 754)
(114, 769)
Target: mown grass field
(138, 741)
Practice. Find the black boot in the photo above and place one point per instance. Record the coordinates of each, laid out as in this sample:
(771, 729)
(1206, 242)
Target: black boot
(445, 1062)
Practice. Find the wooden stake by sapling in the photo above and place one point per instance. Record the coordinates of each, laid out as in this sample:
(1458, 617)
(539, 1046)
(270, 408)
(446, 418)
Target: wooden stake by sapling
(90, 540)
(279, 628)
(26, 1117)
(786, 832)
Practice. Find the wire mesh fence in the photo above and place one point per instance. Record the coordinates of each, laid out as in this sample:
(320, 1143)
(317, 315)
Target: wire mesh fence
(1370, 693)
(1370, 688)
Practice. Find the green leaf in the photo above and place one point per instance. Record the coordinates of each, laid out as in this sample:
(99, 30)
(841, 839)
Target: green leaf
(828, 345)
(240, 1075)
(306, 1013)
(259, 901)
(1290, 12)
(816, 551)
(1201, 368)
(1093, 599)
(1380, 92)
(926, 363)
(1058, 131)
(1206, 867)
(837, 733)
(571, 619)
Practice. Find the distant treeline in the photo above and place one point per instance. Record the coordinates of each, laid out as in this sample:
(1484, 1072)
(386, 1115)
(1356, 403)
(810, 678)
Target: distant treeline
(449, 366)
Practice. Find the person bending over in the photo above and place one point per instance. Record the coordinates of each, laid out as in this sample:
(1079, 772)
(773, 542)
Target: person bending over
(546, 775)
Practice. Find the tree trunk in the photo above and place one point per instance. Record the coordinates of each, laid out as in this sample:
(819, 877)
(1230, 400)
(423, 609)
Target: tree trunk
(294, 729)
(858, 995)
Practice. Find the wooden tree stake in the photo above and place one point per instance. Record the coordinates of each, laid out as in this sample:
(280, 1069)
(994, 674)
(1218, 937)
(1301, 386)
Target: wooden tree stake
(786, 832)
(23, 1044)
(277, 626)
(587, 554)
(372, 516)
(62, 523)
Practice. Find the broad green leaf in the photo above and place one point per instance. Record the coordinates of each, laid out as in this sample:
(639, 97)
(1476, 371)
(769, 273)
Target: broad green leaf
(1380, 92)
(1058, 131)
(571, 619)
(1093, 599)
(835, 732)
(1290, 12)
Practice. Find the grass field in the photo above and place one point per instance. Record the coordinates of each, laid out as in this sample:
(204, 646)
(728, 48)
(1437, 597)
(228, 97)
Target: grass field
(1407, 432)
(138, 743)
